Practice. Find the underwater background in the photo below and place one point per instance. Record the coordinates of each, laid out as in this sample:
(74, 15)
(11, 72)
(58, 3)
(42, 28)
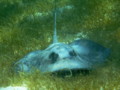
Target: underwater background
(27, 25)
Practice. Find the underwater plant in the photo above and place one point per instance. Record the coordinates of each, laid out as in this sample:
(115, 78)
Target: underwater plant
(95, 20)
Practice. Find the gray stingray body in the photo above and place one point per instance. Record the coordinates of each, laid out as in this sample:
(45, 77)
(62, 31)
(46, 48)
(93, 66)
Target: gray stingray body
(80, 54)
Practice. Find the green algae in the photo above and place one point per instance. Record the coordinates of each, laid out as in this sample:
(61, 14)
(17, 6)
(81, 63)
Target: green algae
(97, 20)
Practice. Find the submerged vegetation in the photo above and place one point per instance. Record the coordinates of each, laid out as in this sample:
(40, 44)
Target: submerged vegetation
(27, 25)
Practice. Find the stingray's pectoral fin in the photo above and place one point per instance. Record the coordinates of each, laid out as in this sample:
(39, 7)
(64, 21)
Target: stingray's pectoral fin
(90, 52)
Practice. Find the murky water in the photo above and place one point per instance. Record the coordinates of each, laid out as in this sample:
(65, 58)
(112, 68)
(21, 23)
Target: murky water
(27, 25)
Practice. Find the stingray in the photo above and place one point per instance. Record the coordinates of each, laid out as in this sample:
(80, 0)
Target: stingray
(81, 54)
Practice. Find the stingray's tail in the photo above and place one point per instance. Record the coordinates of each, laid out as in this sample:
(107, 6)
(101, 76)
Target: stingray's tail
(55, 40)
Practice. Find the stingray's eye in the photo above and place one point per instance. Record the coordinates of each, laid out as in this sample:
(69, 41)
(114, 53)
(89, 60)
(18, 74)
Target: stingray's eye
(72, 53)
(53, 56)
